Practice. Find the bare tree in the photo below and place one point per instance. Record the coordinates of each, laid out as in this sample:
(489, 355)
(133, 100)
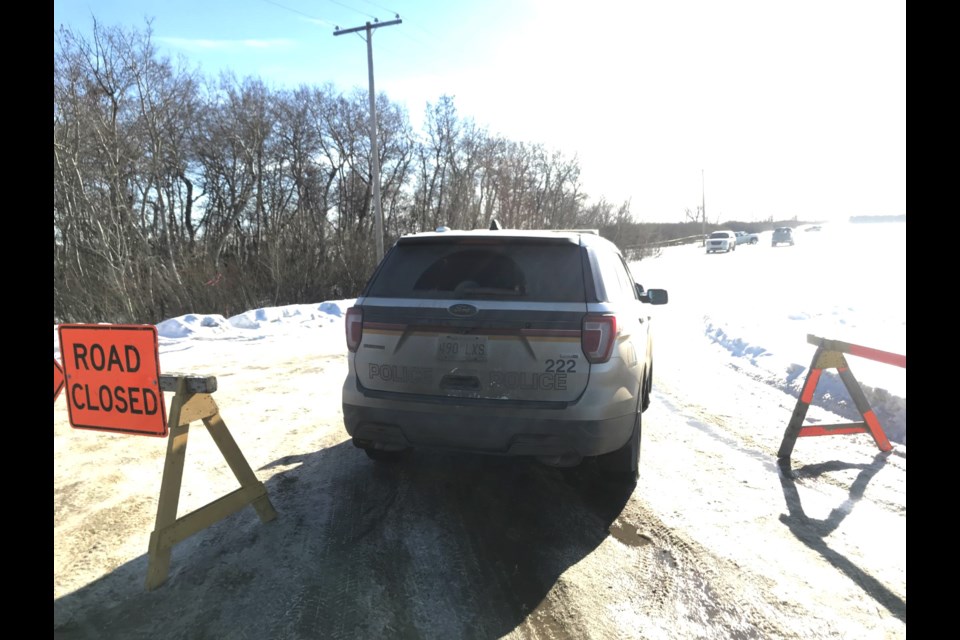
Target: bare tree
(120, 113)
(173, 192)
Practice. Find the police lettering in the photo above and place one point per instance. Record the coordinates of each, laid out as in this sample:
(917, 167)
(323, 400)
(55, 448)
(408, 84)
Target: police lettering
(101, 360)
(527, 380)
(133, 400)
(394, 373)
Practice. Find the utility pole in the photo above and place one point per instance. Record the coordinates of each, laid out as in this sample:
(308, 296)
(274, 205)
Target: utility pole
(375, 149)
(703, 207)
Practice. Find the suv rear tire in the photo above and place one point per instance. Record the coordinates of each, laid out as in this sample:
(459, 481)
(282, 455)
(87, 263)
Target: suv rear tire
(623, 465)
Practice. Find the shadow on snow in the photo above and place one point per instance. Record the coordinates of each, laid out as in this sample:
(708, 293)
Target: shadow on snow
(438, 545)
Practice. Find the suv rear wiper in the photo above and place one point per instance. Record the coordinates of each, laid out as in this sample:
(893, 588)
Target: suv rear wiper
(488, 291)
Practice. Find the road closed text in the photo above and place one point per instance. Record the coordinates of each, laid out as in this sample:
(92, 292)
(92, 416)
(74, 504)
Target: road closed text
(134, 400)
(111, 359)
(108, 359)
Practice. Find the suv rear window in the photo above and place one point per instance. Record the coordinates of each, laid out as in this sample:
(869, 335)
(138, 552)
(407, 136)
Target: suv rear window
(535, 272)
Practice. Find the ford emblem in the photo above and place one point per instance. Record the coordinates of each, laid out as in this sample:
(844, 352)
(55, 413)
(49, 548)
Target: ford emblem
(462, 310)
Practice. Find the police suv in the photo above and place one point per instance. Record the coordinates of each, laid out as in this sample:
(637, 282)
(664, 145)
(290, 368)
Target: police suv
(506, 342)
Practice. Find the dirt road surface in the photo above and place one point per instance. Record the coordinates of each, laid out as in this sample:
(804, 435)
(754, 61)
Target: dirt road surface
(715, 541)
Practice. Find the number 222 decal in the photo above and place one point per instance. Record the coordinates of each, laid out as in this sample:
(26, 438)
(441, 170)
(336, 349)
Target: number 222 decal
(560, 366)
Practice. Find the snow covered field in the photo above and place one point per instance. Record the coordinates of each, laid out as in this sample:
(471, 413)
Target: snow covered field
(754, 306)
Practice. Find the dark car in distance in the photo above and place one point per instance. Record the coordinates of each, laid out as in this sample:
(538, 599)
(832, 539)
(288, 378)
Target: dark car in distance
(782, 235)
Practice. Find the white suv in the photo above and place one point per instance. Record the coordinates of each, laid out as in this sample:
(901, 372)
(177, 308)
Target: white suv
(533, 343)
(721, 241)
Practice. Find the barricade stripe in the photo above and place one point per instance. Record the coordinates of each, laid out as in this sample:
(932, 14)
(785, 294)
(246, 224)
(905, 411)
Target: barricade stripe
(878, 355)
(833, 430)
(877, 431)
(810, 386)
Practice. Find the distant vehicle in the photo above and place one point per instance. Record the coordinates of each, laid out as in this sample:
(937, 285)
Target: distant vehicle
(517, 343)
(721, 241)
(746, 238)
(814, 227)
(782, 235)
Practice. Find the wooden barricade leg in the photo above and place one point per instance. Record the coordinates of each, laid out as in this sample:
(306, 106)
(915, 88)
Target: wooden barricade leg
(159, 555)
(187, 408)
(800, 410)
(863, 406)
(254, 491)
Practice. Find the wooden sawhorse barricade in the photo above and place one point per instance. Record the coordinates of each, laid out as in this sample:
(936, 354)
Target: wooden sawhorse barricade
(193, 401)
(829, 355)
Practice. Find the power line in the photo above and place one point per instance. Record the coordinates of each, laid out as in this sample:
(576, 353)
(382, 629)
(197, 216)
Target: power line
(353, 9)
(333, 24)
(277, 4)
(297, 11)
(379, 7)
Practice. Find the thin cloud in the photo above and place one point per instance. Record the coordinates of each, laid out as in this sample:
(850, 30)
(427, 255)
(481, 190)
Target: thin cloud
(202, 44)
(305, 16)
(318, 22)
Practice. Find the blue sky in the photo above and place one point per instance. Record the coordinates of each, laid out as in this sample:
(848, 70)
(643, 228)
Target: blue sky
(771, 108)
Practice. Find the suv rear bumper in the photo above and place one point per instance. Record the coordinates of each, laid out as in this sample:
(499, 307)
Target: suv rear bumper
(462, 428)
(719, 247)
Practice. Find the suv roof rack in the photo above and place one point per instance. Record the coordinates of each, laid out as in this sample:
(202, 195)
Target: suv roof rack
(496, 226)
(595, 232)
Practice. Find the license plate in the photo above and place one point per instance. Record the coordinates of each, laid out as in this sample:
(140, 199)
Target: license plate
(462, 348)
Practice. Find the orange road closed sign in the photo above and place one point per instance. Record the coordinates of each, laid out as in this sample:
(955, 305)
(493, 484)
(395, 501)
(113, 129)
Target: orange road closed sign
(113, 378)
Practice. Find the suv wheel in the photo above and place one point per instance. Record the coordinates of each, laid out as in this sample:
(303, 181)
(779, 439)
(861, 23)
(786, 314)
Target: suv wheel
(623, 464)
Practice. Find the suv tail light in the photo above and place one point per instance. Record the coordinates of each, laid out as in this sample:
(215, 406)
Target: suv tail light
(597, 337)
(354, 327)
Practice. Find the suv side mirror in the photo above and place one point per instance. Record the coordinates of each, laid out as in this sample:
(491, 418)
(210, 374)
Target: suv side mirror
(654, 296)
